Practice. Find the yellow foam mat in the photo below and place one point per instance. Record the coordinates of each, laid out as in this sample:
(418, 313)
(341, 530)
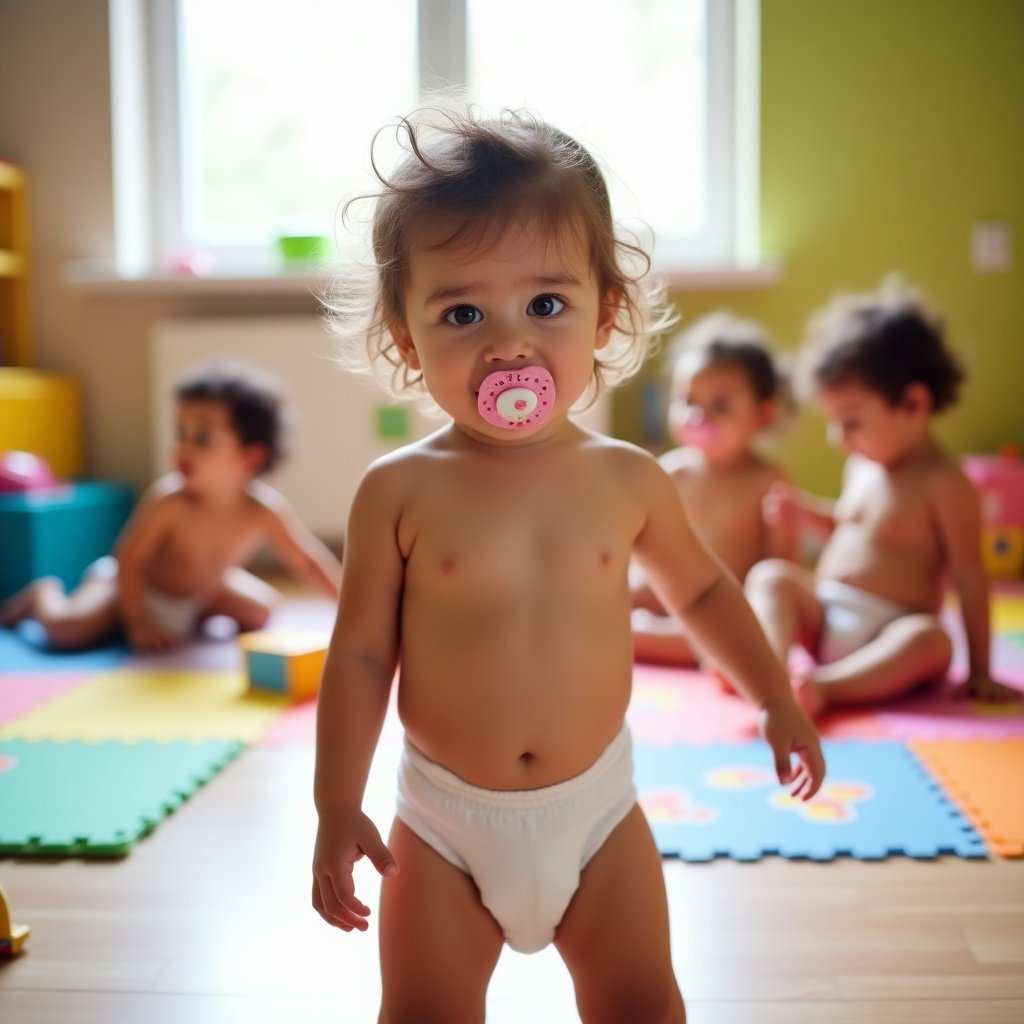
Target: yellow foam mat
(1008, 612)
(130, 705)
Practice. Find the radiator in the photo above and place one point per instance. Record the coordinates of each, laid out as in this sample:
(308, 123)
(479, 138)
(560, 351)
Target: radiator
(343, 420)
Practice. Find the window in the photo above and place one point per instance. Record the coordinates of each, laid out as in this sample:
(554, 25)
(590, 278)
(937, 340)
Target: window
(255, 116)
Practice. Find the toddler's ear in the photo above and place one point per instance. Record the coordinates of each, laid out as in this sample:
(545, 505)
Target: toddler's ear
(607, 315)
(769, 412)
(404, 343)
(917, 399)
(256, 458)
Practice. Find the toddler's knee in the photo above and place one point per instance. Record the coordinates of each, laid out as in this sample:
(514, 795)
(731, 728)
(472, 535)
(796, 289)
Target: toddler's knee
(768, 577)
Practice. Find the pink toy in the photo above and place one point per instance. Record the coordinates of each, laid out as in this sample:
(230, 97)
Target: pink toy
(1000, 480)
(517, 398)
(23, 471)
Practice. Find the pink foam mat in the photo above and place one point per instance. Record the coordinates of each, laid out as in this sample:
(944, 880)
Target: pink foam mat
(21, 692)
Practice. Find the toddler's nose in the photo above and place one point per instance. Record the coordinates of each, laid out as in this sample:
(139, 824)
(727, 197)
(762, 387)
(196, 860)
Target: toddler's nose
(505, 345)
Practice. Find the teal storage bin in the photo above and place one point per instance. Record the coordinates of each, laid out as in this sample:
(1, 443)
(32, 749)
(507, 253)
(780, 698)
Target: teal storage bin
(59, 532)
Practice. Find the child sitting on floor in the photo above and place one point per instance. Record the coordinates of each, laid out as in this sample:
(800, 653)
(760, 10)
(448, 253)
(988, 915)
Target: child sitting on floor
(907, 519)
(726, 391)
(179, 558)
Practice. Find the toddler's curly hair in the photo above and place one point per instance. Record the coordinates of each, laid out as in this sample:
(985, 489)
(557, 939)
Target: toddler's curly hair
(476, 176)
(886, 340)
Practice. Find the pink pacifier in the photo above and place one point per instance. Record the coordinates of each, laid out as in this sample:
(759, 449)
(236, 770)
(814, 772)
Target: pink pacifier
(517, 398)
(700, 435)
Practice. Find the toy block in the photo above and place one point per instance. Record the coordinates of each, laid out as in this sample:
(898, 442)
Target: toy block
(42, 413)
(59, 531)
(12, 936)
(284, 661)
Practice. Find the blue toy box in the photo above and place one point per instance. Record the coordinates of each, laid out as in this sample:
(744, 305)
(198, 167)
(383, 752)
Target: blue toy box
(59, 531)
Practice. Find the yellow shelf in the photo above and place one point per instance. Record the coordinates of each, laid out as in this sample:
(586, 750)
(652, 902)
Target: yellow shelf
(15, 316)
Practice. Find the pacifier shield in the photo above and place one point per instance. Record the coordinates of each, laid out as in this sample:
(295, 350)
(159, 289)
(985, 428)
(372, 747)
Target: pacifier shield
(517, 398)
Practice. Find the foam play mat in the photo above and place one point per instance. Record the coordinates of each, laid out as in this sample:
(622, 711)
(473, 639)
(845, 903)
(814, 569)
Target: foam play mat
(984, 777)
(723, 800)
(21, 650)
(96, 799)
(134, 704)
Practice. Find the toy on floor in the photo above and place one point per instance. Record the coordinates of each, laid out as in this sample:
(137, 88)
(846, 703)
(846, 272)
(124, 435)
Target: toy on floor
(12, 936)
(23, 471)
(284, 661)
(1000, 482)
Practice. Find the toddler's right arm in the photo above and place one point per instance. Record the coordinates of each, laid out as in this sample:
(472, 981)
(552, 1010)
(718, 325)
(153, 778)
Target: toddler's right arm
(786, 508)
(353, 700)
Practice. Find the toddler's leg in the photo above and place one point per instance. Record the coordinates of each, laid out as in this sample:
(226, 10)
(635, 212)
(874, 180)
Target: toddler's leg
(912, 650)
(438, 943)
(782, 596)
(70, 621)
(614, 937)
(245, 598)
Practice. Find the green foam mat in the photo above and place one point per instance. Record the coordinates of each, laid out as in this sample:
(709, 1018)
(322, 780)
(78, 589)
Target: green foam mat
(60, 799)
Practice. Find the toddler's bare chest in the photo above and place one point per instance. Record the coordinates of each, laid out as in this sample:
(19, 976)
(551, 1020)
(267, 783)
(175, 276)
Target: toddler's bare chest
(527, 536)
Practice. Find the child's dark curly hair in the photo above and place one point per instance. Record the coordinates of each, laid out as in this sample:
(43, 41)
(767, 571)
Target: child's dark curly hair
(254, 400)
(723, 339)
(886, 340)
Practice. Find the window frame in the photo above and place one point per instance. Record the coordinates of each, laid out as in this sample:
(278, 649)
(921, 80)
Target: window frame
(145, 76)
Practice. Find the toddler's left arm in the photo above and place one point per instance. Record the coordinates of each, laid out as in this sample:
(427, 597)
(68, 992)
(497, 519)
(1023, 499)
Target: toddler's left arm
(705, 596)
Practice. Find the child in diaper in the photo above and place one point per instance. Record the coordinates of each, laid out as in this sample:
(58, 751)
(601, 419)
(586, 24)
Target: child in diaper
(488, 563)
(180, 557)
(907, 519)
(727, 391)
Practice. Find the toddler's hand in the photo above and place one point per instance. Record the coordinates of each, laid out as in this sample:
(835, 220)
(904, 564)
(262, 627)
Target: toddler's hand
(981, 686)
(787, 730)
(146, 635)
(780, 508)
(344, 836)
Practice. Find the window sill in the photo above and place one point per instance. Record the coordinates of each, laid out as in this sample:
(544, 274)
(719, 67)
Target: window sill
(101, 279)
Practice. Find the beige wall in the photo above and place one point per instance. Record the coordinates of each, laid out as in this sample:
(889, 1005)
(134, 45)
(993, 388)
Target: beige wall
(55, 121)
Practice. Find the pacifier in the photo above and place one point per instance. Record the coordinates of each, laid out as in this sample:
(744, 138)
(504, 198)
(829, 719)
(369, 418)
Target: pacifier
(700, 435)
(517, 398)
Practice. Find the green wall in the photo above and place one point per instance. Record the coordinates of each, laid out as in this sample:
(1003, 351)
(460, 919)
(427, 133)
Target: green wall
(887, 128)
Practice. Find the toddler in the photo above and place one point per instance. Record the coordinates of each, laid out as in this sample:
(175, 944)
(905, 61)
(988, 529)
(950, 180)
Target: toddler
(907, 519)
(726, 391)
(490, 561)
(179, 558)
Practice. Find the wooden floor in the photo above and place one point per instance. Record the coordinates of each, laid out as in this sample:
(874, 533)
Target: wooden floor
(208, 922)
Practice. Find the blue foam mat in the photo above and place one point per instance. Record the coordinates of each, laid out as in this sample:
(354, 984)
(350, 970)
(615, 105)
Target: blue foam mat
(723, 800)
(22, 650)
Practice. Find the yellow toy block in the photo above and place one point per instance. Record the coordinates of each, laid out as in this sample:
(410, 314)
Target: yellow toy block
(1002, 548)
(41, 413)
(12, 936)
(284, 661)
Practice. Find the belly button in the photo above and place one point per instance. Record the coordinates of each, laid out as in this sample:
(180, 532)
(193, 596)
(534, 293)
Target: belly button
(526, 758)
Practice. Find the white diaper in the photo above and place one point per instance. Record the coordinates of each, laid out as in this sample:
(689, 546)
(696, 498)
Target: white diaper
(525, 850)
(179, 616)
(852, 618)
